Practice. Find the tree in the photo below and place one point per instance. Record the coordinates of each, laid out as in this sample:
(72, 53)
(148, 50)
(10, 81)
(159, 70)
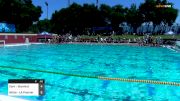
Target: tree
(22, 13)
(117, 17)
(76, 19)
(134, 17)
(67, 19)
(44, 25)
(147, 9)
(106, 12)
(91, 16)
(158, 15)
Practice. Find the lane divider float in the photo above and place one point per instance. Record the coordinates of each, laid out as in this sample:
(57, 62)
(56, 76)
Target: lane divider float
(98, 77)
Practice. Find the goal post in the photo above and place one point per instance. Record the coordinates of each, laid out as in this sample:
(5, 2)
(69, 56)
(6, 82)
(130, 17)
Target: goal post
(2, 42)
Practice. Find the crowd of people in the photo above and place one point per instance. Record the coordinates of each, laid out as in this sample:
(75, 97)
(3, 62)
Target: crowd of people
(146, 40)
(150, 41)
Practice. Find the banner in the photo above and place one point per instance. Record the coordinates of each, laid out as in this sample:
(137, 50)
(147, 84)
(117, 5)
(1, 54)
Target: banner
(7, 28)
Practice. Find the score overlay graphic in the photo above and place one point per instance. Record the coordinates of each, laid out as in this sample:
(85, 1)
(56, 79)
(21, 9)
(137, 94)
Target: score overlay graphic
(26, 87)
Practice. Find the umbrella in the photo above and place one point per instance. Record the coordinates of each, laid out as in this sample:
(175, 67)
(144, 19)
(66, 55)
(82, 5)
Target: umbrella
(45, 33)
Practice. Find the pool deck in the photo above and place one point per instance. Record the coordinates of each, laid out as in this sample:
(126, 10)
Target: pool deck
(94, 43)
(8, 98)
(24, 44)
(178, 43)
(88, 43)
(19, 44)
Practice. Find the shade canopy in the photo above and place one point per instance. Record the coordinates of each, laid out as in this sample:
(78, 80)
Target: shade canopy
(170, 33)
(45, 33)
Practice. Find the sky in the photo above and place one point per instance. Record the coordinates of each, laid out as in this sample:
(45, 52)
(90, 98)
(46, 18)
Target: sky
(59, 4)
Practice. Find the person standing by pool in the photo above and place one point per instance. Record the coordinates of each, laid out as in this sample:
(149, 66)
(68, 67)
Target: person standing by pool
(144, 40)
(139, 41)
(98, 38)
(154, 41)
(151, 40)
(158, 41)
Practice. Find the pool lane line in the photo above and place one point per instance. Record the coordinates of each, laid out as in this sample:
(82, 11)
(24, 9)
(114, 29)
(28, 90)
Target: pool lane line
(50, 72)
(98, 77)
(140, 81)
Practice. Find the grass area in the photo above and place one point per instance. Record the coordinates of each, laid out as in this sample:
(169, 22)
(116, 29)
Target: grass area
(126, 36)
(134, 36)
(169, 36)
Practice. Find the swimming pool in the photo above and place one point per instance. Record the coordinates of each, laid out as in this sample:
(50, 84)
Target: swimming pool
(151, 63)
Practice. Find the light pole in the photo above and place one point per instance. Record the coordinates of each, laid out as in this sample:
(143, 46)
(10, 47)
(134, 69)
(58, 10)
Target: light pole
(47, 8)
(69, 2)
(97, 3)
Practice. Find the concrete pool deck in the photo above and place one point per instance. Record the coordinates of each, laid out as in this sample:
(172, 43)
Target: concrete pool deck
(18, 44)
(178, 43)
(94, 43)
(88, 43)
(8, 98)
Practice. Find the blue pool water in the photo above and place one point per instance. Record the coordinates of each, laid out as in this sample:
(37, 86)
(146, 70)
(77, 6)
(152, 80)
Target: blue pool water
(133, 62)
